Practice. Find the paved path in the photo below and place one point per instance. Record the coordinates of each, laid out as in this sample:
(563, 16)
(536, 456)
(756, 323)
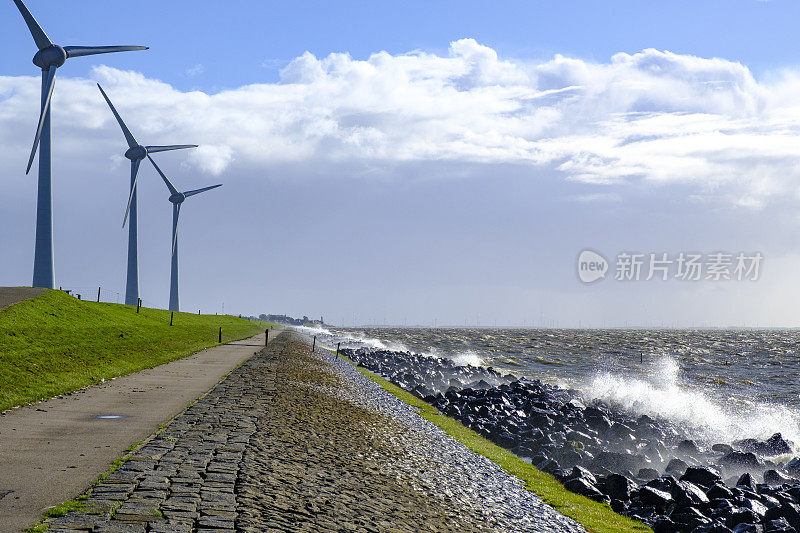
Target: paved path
(304, 443)
(11, 295)
(53, 450)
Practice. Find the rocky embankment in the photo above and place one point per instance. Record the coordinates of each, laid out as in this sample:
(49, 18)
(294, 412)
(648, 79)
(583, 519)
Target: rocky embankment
(643, 467)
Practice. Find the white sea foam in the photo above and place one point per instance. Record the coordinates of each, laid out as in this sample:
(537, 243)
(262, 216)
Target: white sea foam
(349, 339)
(467, 358)
(712, 419)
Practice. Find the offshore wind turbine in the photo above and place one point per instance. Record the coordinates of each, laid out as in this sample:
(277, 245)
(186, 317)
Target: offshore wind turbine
(136, 153)
(49, 58)
(177, 199)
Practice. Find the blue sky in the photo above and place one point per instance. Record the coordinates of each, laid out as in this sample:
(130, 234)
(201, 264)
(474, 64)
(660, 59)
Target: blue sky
(243, 41)
(421, 162)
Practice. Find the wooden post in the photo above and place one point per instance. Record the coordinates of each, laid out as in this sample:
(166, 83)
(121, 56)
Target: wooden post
(641, 357)
(170, 317)
(266, 336)
(198, 311)
(220, 334)
(314, 347)
(337, 348)
(138, 304)
(98, 294)
(79, 297)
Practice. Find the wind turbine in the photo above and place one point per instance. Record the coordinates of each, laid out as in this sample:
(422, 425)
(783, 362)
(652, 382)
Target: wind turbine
(136, 153)
(177, 199)
(49, 58)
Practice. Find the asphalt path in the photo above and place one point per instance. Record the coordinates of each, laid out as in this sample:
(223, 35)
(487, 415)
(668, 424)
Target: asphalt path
(53, 450)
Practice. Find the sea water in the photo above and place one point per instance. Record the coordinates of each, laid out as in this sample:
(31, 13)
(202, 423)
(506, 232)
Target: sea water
(718, 385)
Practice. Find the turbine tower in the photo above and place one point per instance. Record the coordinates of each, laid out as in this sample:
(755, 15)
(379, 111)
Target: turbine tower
(177, 199)
(136, 153)
(49, 58)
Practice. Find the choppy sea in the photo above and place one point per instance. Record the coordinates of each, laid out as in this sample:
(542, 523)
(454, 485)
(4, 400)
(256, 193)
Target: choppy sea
(719, 385)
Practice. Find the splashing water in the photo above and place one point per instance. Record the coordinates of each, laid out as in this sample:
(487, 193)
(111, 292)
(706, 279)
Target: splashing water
(686, 376)
(664, 396)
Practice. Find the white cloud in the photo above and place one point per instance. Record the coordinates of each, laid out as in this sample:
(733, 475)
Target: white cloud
(211, 158)
(653, 116)
(195, 70)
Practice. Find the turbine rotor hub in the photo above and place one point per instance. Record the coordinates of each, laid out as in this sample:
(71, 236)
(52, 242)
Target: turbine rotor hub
(177, 198)
(137, 152)
(52, 56)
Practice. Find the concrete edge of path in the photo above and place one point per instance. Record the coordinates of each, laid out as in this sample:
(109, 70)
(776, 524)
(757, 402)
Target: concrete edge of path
(51, 451)
(13, 295)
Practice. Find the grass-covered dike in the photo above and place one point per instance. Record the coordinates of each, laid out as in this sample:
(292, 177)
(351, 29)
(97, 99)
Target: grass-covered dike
(594, 516)
(54, 343)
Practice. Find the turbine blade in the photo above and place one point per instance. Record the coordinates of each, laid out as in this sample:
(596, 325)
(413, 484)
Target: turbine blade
(175, 236)
(187, 194)
(39, 36)
(78, 51)
(125, 131)
(47, 93)
(154, 149)
(134, 178)
(171, 188)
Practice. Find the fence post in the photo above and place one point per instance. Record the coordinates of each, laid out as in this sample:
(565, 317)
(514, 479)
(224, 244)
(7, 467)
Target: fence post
(314, 347)
(79, 297)
(138, 304)
(266, 336)
(220, 334)
(98, 294)
(337, 348)
(170, 317)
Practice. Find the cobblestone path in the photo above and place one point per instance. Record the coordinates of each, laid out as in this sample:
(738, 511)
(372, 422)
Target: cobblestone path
(297, 442)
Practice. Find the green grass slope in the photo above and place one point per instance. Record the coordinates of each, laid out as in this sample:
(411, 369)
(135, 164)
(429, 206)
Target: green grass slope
(54, 343)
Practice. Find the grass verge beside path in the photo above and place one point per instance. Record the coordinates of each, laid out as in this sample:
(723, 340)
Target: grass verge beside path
(594, 516)
(54, 343)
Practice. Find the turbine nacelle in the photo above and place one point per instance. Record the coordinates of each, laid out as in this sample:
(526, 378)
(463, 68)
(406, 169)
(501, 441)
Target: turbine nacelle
(52, 56)
(136, 153)
(177, 198)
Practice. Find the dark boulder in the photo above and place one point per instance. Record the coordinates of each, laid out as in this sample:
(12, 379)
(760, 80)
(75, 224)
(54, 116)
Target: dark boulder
(665, 525)
(690, 517)
(793, 466)
(580, 472)
(724, 449)
(789, 511)
(655, 497)
(619, 506)
(618, 487)
(748, 528)
(596, 419)
(741, 516)
(741, 460)
(647, 473)
(583, 487)
(773, 477)
(687, 494)
(676, 466)
(687, 447)
(754, 505)
(713, 527)
(746, 480)
(775, 445)
(701, 475)
(779, 525)
(719, 492)
(616, 461)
